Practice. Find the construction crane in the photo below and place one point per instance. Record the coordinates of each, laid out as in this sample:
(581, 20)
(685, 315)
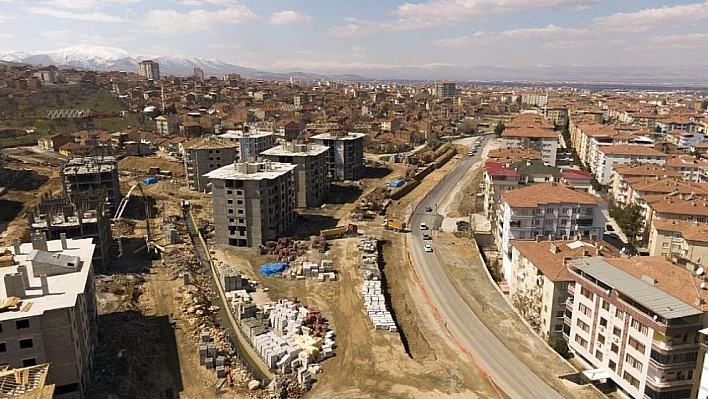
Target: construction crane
(150, 244)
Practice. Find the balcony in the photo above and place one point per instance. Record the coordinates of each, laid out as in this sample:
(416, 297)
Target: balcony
(670, 345)
(662, 383)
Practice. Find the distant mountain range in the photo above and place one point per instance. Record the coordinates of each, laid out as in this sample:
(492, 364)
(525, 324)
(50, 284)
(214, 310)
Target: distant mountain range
(113, 59)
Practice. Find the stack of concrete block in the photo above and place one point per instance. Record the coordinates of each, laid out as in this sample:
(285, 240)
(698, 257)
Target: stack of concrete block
(303, 375)
(286, 316)
(220, 367)
(327, 265)
(207, 348)
(231, 279)
(310, 269)
(375, 305)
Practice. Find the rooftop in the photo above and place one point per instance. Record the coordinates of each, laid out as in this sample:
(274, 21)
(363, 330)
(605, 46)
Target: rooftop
(209, 143)
(338, 136)
(550, 256)
(239, 134)
(644, 169)
(530, 132)
(251, 171)
(548, 193)
(63, 288)
(691, 231)
(651, 281)
(629, 149)
(296, 150)
(90, 165)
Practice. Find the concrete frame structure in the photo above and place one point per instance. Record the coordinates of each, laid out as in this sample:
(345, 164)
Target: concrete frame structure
(90, 174)
(205, 155)
(311, 171)
(345, 159)
(251, 142)
(59, 328)
(83, 217)
(253, 202)
(641, 330)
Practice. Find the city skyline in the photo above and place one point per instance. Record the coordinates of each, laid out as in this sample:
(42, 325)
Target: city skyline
(285, 35)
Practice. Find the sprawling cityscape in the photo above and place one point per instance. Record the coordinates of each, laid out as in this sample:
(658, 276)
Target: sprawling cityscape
(352, 205)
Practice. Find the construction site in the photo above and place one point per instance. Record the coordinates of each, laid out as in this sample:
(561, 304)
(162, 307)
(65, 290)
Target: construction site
(165, 317)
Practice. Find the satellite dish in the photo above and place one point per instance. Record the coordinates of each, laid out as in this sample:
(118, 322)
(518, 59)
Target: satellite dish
(623, 250)
(656, 317)
(700, 271)
(601, 247)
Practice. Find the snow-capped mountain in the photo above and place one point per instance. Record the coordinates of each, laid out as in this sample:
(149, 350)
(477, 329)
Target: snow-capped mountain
(112, 58)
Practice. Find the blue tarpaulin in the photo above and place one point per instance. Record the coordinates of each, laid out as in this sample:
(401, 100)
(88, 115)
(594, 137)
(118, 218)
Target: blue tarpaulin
(273, 268)
(150, 180)
(396, 183)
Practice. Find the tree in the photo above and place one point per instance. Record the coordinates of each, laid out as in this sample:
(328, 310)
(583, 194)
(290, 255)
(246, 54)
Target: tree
(560, 346)
(499, 128)
(630, 220)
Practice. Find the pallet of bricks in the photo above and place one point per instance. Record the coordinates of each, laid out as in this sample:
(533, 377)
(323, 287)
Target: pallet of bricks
(375, 305)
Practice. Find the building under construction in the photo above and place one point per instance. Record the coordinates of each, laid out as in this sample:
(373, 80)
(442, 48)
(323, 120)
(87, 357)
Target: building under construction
(90, 174)
(84, 215)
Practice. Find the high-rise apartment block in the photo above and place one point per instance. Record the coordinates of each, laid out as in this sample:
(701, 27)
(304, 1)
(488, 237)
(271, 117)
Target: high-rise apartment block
(253, 202)
(445, 89)
(50, 312)
(251, 142)
(205, 155)
(149, 69)
(311, 171)
(345, 159)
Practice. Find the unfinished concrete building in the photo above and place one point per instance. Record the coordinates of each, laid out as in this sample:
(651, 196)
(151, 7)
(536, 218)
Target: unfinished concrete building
(90, 174)
(205, 155)
(82, 216)
(345, 159)
(311, 172)
(49, 312)
(253, 202)
(251, 142)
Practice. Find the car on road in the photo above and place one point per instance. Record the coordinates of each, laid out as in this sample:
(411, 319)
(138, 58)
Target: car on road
(428, 248)
(423, 226)
(426, 236)
(428, 209)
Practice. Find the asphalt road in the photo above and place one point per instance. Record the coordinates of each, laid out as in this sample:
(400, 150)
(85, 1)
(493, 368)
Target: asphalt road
(508, 372)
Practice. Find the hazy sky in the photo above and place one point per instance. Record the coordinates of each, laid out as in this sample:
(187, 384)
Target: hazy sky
(278, 34)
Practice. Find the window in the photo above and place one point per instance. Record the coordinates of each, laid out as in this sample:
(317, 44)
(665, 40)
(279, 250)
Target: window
(580, 340)
(584, 310)
(605, 305)
(631, 380)
(586, 293)
(612, 365)
(558, 328)
(665, 245)
(22, 324)
(636, 345)
(614, 348)
(633, 362)
(559, 314)
(3, 347)
(598, 355)
(603, 321)
(619, 314)
(601, 338)
(617, 331)
(639, 326)
(29, 362)
(26, 343)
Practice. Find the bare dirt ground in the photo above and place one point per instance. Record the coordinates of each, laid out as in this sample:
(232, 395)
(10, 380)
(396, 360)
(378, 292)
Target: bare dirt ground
(142, 164)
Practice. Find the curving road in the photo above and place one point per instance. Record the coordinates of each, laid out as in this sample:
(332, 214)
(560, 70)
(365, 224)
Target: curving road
(508, 372)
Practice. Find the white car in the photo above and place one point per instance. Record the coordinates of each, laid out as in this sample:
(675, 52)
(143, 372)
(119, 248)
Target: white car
(423, 226)
(428, 248)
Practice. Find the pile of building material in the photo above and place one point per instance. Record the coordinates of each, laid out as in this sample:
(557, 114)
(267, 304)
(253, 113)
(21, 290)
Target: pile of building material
(231, 278)
(286, 249)
(375, 304)
(323, 271)
(376, 201)
(319, 243)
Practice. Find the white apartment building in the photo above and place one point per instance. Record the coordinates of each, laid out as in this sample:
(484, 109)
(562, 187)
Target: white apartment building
(149, 69)
(544, 141)
(251, 142)
(549, 210)
(623, 154)
(637, 322)
(55, 319)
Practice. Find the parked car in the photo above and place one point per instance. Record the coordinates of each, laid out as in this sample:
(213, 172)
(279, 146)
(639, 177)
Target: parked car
(426, 236)
(428, 248)
(423, 226)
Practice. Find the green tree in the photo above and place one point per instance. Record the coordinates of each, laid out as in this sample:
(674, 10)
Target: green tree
(560, 346)
(630, 220)
(499, 128)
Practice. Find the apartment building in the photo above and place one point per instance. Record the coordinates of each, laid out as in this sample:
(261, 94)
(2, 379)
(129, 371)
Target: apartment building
(623, 154)
(149, 69)
(549, 210)
(676, 207)
(637, 322)
(538, 288)
(51, 311)
(692, 169)
(203, 156)
(91, 174)
(345, 159)
(501, 178)
(445, 89)
(310, 174)
(167, 125)
(679, 239)
(544, 141)
(84, 215)
(683, 139)
(251, 142)
(623, 174)
(253, 202)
